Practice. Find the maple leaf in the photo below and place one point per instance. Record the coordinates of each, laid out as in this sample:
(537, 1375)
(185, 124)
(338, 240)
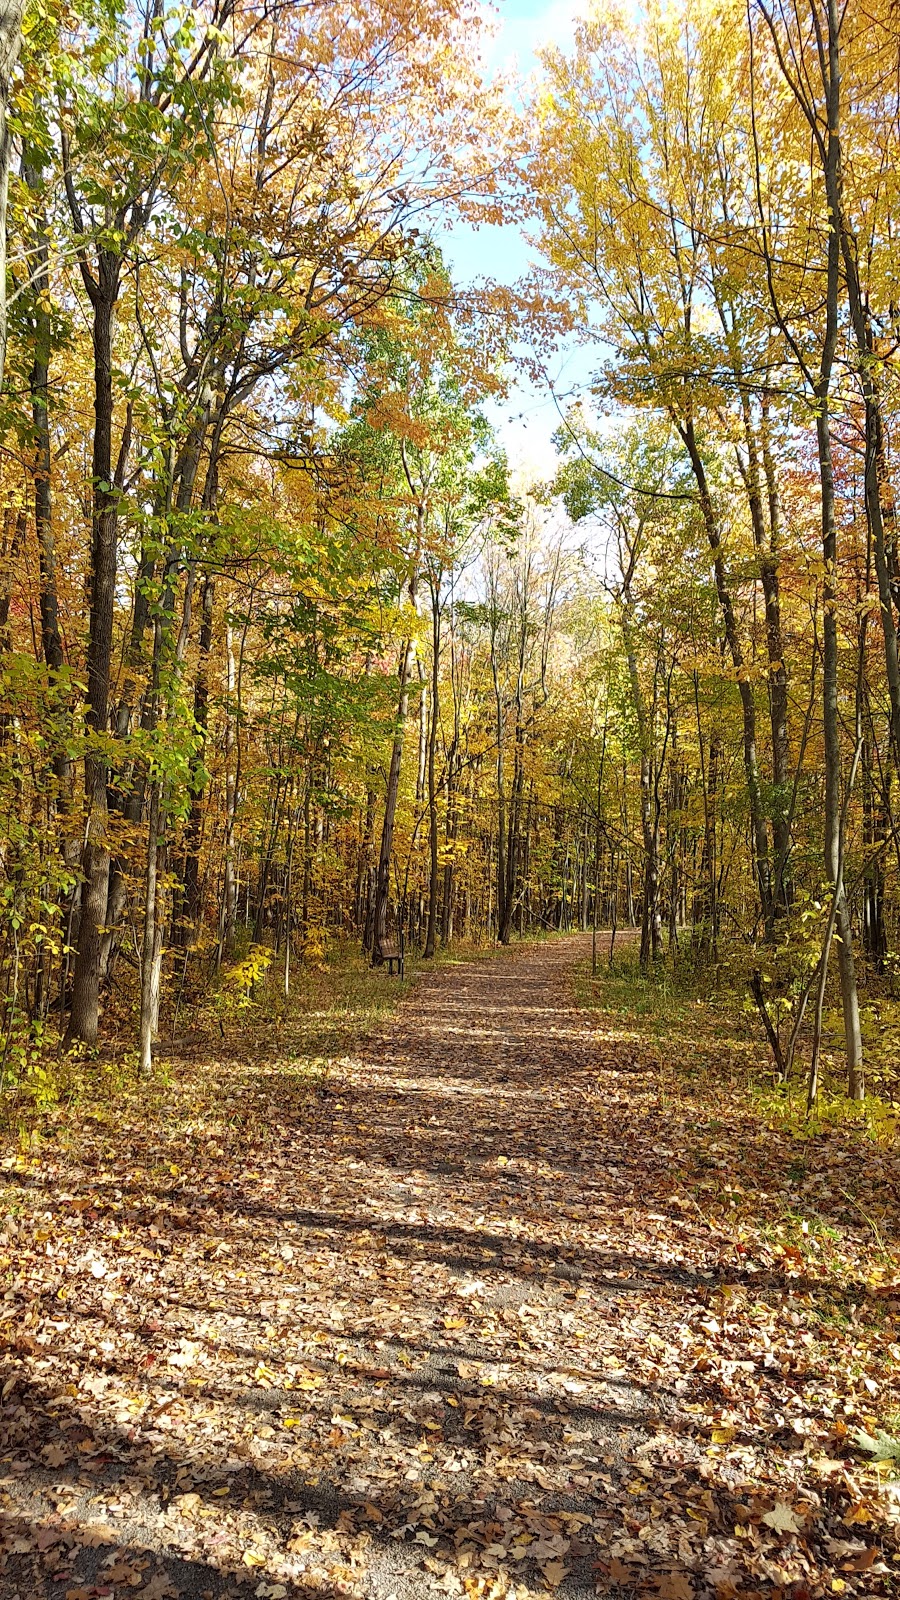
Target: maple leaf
(123, 1572)
(160, 1587)
(675, 1586)
(554, 1572)
(880, 1446)
(782, 1519)
(617, 1572)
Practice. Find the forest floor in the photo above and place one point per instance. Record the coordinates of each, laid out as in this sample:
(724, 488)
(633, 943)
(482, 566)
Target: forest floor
(520, 1296)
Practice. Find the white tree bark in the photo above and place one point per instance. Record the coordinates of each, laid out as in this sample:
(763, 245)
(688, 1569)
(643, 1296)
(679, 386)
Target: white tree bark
(10, 45)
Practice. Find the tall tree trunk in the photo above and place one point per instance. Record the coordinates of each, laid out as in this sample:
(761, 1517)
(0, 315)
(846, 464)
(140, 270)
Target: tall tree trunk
(831, 724)
(10, 45)
(651, 922)
(832, 739)
(766, 542)
(383, 877)
(875, 834)
(825, 128)
(232, 759)
(159, 807)
(434, 869)
(778, 677)
(39, 385)
(751, 763)
(502, 912)
(85, 1010)
(194, 825)
(151, 954)
(451, 829)
(707, 901)
(765, 539)
(875, 474)
(423, 721)
(364, 883)
(513, 831)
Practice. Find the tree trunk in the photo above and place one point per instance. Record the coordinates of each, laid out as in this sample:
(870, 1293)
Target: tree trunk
(748, 708)
(383, 877)
(151, 953)
(434, 870)
(832, 739)
(39, 385)
(874, 932)
(10, 45)
(85, 1012)
(831, 724)
(228, 908)
(194, 825)
(875, 473)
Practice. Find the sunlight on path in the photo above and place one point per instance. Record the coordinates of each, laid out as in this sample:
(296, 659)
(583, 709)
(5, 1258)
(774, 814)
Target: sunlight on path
(429, 1337)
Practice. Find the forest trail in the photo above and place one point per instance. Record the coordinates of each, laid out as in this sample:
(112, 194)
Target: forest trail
(452, 1328)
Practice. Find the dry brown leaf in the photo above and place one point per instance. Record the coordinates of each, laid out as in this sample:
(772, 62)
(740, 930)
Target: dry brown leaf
(554, 1572)
(675, 1586)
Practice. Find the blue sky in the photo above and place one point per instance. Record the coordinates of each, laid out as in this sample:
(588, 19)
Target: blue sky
(528, 418)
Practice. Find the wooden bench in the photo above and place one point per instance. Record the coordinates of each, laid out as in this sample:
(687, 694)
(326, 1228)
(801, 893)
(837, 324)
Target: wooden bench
(393, 955)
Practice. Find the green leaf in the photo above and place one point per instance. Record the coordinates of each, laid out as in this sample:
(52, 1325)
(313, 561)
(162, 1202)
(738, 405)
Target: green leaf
(881, 1447)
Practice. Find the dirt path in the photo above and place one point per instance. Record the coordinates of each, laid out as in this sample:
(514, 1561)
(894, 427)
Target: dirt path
(437, 1335)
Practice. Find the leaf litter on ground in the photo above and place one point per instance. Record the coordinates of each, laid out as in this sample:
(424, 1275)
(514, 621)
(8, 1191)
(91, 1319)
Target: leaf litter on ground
(508, 1305)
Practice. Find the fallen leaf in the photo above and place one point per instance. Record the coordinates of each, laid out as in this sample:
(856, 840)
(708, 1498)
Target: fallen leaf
(160, 1587)
(554, 1572)
(675, 1586)
(782, 1519)
(123, 1572)
(617, 1572)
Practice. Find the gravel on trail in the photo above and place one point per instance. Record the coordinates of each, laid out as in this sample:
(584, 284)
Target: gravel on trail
(424, 1337)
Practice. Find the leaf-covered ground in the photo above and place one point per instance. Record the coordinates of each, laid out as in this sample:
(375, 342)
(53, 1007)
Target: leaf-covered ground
(503, 1306)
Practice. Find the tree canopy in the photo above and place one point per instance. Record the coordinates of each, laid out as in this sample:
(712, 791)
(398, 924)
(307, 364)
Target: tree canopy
(291, 655)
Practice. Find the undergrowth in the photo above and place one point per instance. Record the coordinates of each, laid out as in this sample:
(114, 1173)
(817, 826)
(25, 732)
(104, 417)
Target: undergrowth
(232, 1041)
(216, 1065)
(704, 1016)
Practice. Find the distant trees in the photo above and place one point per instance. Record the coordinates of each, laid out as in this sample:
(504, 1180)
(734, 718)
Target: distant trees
(288, 654)
(738, 284)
